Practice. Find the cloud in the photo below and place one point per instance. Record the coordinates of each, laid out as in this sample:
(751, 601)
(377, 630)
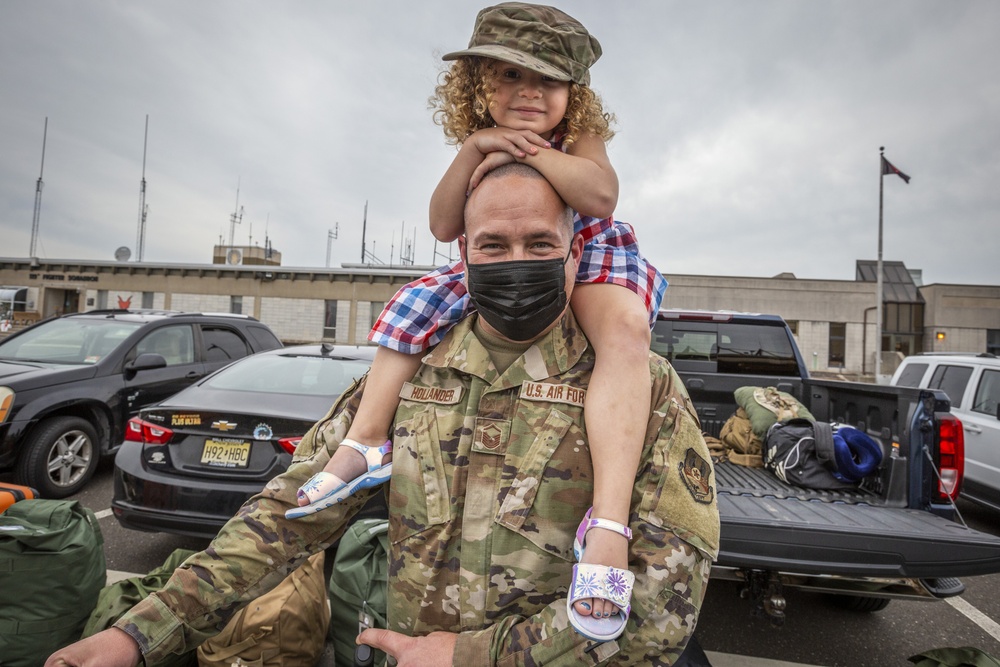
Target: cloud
(748, 132)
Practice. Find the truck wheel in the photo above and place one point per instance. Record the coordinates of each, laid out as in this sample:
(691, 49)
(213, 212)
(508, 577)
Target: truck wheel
(860, 603)
(60, 457)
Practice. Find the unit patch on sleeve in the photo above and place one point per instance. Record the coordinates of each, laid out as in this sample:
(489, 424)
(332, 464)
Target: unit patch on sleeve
(444, 396)
(695, 472)
(553, 393)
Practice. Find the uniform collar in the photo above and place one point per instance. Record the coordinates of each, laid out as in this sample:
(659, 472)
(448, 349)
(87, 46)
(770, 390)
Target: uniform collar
(552, 354)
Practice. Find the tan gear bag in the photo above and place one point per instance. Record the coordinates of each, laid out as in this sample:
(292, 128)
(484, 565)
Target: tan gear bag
(285, 627)
(745, 448)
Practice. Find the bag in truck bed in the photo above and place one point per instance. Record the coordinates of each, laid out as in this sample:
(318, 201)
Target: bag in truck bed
(817, 455)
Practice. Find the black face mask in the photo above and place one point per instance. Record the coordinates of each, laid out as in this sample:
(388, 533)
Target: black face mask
(519, 298)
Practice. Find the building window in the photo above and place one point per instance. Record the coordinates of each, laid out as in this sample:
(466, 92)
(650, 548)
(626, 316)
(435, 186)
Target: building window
(147, 299)
(236, 305)
(993, 341)
(793, 325)
(838, 336)
(330, 320)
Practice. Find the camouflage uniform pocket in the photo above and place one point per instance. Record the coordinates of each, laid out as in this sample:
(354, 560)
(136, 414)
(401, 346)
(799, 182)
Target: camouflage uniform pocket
(536, 500)
(419, 491)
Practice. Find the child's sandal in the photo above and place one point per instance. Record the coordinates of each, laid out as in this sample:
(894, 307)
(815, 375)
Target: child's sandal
(377, 473)
(599, 581)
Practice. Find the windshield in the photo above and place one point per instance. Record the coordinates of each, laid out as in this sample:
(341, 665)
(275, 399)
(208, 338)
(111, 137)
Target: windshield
(288, 374)
(725, 347)
(68, 341)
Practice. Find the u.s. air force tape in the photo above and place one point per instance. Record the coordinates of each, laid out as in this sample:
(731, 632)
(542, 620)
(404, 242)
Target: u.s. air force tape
(553, 393)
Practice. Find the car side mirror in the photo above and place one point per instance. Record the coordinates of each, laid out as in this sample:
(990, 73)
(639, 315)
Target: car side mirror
(145, 362)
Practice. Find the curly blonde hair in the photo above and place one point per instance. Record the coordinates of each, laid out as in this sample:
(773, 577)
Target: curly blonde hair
(461, 104)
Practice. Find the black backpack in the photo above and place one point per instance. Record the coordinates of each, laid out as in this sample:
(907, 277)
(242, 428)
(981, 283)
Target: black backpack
(801, 452)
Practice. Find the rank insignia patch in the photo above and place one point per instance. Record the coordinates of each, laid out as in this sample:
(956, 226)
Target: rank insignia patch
(490, 435)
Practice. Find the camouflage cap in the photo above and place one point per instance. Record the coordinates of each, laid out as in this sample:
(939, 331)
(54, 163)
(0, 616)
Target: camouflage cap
(540, 38)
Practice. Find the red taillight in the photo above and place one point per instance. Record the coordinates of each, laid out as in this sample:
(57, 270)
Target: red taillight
(289, 444)
(147, 432)
(951, 456)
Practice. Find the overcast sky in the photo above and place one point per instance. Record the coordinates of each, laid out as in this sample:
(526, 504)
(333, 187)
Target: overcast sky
(748, 132)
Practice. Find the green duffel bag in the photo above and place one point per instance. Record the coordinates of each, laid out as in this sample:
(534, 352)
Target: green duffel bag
(51, 571)
(358, 584)
(120, 596)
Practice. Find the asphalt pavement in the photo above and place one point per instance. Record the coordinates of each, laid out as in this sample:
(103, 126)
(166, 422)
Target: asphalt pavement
(816, 632)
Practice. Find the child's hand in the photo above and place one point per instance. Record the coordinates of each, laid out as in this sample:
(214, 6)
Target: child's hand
(490, 162)
(518, 143)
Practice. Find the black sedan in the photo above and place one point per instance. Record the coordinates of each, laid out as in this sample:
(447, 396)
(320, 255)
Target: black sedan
(188, 463)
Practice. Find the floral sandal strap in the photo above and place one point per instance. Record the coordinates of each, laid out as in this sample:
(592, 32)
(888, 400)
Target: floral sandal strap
(601, 581)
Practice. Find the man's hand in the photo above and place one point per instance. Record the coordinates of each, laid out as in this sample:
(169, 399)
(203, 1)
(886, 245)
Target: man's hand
(433, 650)
(108, 648)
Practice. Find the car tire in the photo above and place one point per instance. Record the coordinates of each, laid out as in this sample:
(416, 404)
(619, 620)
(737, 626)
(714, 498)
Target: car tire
(61, 456)
(860, 603)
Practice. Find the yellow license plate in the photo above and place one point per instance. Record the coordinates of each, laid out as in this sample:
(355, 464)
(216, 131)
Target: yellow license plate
(226, 453)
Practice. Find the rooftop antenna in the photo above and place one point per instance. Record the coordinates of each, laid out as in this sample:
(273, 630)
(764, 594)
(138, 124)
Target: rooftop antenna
(38, 197)
(331, 235)
(448, 259)
(237, 216)
(406, 248)
(364, 228)
(367, 257)
(140, 237)
(267, 239)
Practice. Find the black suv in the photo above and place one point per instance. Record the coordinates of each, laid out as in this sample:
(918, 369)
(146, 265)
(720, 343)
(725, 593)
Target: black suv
(69, 385)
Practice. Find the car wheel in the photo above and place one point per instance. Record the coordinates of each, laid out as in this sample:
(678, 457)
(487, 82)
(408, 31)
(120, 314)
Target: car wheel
(61, 456)
(860, 603)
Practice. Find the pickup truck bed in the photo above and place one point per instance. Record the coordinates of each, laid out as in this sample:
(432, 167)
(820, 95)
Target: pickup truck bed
(850, 533)
(893, 536)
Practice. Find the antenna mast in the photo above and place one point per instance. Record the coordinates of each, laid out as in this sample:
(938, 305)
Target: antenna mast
(38, 196)
(331, 235)
(447, 258)
(140, 238)
(236, 217)
(406, 247)
(364, 228)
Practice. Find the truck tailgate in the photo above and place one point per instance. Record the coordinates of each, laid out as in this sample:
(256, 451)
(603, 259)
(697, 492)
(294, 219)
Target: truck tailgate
(767, 524)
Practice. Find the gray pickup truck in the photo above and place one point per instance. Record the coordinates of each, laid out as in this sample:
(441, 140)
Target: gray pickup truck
(893, 536)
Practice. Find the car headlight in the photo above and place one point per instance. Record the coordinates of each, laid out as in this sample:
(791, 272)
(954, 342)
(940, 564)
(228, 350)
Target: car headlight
(6, 402)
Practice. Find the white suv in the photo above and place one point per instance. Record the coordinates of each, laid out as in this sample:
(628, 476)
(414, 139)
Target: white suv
(972, 382)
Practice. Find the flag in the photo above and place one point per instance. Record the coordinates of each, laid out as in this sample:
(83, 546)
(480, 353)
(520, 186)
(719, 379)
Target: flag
(888, 168)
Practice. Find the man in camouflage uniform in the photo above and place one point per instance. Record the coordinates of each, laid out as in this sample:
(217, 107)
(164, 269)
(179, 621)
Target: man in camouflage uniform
(491, 477)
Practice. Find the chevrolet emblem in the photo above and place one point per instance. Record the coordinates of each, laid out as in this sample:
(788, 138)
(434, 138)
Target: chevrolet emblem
(223, 425)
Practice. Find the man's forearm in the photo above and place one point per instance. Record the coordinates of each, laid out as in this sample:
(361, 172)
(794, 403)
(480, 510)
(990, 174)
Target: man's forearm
(251, 555)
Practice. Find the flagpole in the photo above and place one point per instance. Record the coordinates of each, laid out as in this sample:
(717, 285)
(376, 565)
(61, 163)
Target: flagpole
(878, 272)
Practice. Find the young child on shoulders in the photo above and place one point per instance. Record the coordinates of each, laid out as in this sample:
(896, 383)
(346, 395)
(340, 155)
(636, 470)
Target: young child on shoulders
(504, 99)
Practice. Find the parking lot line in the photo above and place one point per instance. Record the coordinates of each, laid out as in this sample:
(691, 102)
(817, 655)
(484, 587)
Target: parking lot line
(730, 660)
(988, 625)
(102, 513)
